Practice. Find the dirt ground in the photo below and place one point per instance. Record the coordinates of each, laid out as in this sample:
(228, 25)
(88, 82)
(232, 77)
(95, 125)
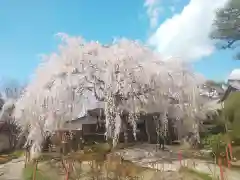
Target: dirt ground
(147, 174)
(12, 170)
(146, 155)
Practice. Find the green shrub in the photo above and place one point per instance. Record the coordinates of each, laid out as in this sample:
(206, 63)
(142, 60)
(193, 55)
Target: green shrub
(217, 143)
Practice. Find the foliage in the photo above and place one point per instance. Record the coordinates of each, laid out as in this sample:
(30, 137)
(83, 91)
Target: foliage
(1, 101)
(232, 105)
(215, 126)
(231, 113)
(8, 123)
(227, 26)
(230, 117)
(124, 76)
(217, 144)
(100, 148)
(10, 91)
(215, 83)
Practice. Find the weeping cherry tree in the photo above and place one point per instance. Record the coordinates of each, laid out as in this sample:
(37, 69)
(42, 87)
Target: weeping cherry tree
(125, 75)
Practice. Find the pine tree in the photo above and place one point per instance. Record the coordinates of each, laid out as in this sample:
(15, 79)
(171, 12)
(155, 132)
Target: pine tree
(227, 27)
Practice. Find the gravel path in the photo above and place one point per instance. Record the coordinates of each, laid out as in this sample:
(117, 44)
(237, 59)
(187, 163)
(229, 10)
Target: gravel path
(12, 170)
(146, 156)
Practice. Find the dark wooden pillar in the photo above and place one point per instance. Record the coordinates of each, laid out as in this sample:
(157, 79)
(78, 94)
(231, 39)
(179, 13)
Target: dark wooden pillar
(79, 139)
(150, 128)
(125, 127)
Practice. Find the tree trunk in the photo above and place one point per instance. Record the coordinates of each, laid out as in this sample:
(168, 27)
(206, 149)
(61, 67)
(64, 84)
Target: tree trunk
(125, 131)
(64, 143)
(147, 131)
(196, 140)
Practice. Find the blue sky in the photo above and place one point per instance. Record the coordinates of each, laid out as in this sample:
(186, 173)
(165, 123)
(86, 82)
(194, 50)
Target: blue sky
(28, 29)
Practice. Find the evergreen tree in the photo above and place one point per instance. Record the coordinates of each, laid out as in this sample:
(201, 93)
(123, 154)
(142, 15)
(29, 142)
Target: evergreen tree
(227, 27)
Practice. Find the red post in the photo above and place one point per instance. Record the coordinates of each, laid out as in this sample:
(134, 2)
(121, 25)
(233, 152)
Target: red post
(35, 170)
(221, 169)
(67, 173)
(227, 158)
(180, 157)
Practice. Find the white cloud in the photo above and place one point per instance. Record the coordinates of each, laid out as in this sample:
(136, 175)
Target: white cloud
(186, 35)
(153, 11)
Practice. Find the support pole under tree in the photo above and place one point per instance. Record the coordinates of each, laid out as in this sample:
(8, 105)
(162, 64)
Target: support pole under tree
(27, 154)
(64, 143)
(26, 158)
(158, 133)
(125, 133)
(125, 129)
(147, 131)
(79, 137)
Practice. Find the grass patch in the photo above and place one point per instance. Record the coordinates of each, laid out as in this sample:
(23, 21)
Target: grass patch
(28, 173)
(17, 153)
(203, 176)
(93, 156)
(47, 156)
(4, 158)
(99, 148)
(105, 147)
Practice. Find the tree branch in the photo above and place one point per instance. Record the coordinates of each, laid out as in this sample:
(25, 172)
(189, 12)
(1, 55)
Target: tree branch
(94, 89)
(229, 44)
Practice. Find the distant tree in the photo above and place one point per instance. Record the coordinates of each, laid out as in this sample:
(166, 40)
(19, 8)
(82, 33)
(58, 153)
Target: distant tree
(1, 102)
(214, 83)
(11, 89)
(227, 26)
(10, 92)
(10, 128)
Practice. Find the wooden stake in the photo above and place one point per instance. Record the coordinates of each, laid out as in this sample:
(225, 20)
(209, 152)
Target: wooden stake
(25, 163)
(67, 173)
(227, 157)
(35, 170)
